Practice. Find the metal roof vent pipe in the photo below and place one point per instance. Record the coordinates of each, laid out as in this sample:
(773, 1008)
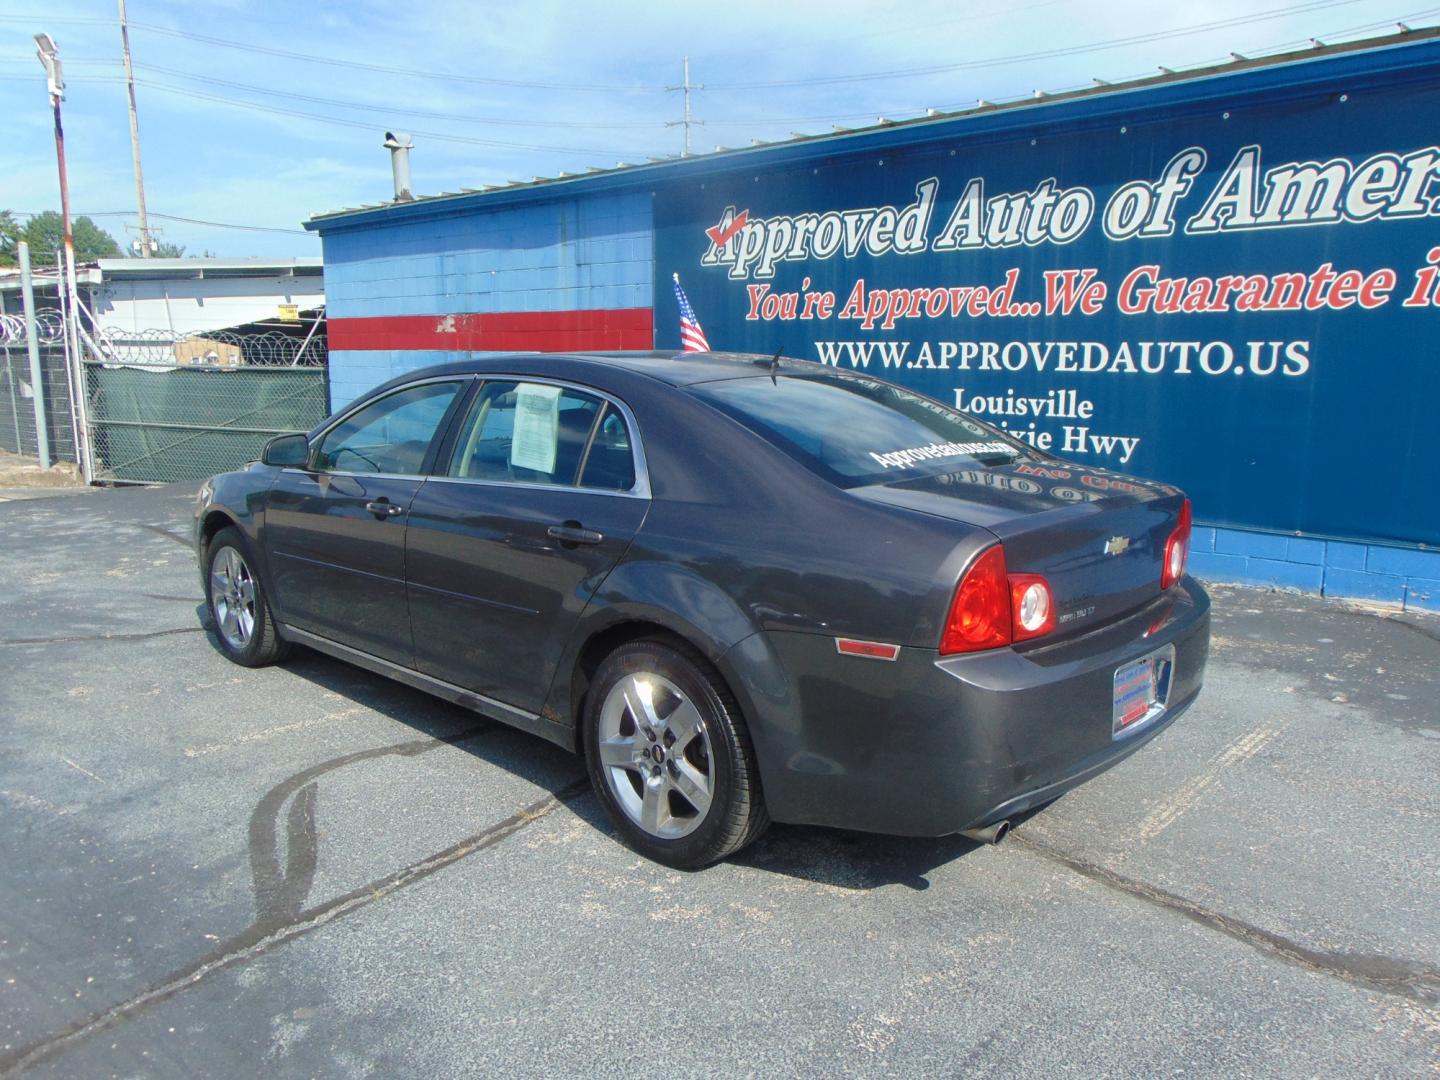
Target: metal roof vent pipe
(399, 147)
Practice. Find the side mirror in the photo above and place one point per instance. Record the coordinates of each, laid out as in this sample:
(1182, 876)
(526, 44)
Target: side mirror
(286, 451)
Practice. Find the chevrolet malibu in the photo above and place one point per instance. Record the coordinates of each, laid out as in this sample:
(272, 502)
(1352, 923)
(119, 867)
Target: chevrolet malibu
(743, 589)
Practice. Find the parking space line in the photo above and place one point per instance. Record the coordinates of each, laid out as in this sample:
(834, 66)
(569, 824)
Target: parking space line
(1241, 750)
(99, 638)
(82, 769)
(263, 937)
(272, 732)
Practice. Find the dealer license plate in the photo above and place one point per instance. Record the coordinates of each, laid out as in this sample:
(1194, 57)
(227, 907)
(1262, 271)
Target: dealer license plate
(1141, 690)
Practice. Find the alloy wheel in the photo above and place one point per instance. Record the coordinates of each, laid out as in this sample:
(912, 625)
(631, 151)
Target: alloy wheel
(654, 751)
(232, 594)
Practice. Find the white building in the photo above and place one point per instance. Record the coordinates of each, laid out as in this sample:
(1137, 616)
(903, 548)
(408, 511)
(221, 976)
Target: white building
(187, 297)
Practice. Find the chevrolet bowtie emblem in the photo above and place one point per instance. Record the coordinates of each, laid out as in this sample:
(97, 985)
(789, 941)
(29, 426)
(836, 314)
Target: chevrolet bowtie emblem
(1117, 544)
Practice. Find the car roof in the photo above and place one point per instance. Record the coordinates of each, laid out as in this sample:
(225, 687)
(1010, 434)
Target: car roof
(674, 368)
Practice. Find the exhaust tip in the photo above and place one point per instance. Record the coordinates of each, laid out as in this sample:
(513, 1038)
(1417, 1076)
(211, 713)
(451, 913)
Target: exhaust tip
(988, 834)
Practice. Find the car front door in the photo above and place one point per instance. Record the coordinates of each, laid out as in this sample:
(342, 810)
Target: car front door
(544, 489)
(335, 531)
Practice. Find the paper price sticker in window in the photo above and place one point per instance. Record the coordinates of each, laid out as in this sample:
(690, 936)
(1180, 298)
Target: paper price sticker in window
(537, 413)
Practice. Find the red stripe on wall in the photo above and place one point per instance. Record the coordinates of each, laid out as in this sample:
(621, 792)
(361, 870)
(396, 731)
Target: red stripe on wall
(521, 331)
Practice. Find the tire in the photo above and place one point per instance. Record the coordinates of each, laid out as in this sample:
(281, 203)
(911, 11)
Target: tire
(686, 809)
(238, 602)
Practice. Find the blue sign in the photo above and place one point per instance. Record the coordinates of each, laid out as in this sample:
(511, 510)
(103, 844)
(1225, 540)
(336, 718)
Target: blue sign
(1231, 284)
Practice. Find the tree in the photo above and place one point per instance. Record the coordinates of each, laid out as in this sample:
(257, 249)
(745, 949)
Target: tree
(9, 237)
(46, 235)
(166, 250)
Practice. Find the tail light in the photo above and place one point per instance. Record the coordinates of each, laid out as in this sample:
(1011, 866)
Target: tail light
(980, 613)
(994, 608)
(1031, 605)
(1177, 549)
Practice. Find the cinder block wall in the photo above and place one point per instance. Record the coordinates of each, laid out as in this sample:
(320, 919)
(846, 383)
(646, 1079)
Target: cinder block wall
(549, 276)
(1403, 577)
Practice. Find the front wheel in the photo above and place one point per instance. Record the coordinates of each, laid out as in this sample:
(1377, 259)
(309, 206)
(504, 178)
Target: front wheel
(669, 756)
(239, 606)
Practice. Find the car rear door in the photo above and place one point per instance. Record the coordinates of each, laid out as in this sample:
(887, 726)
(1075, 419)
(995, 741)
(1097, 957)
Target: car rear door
(335, 531)
(543, 490)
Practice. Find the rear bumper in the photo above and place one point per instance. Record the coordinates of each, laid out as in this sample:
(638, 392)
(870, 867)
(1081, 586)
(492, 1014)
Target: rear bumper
(927, 746)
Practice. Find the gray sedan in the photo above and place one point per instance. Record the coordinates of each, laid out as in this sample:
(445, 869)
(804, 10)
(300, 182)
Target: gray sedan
(745, 590)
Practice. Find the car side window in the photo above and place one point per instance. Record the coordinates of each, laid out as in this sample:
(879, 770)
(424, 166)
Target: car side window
(610, 465)
(534, 433)
(391, 435)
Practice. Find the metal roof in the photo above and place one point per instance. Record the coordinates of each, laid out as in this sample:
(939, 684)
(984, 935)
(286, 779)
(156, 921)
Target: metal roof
(247, 266)
(877, 136)
(102, 270)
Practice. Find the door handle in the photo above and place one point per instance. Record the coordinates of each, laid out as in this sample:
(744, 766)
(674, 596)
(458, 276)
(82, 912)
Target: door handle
(384, 508)
(574, 534)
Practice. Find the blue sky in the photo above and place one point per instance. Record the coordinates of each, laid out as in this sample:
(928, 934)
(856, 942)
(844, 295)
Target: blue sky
(526, 89)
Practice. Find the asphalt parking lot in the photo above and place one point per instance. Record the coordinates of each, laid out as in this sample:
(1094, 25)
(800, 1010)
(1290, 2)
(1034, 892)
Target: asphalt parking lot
(310, 871)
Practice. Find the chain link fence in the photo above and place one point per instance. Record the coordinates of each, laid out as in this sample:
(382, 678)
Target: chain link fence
(160, 424)
(17, 390)
(163, 408)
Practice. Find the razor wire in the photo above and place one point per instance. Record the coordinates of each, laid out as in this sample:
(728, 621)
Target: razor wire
(217, 348)
(49, 329)
(267, 348)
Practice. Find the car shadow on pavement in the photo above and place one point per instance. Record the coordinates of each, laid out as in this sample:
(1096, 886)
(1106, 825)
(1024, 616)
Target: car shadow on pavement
(854, 860)
(833, 857)
(540, 762)
(851, 860)
(529, 758)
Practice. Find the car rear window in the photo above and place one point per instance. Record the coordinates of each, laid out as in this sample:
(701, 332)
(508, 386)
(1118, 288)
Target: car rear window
(856, 431)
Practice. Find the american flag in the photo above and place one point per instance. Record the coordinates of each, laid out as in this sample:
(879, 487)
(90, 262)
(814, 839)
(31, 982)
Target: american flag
(692, 338)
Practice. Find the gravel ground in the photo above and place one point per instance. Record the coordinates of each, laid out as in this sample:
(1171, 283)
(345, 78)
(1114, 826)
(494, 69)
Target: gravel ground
(310, 871)
(23, 478)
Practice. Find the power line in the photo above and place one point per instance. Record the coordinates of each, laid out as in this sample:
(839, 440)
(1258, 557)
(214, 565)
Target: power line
(335, 61)
(368, 126)
(929, 26)
(1331, 36)
(757, 120)
(385, 109)
(732, 122)
(1047, 54)
(363, 125)
(175, 217)
(226, 224)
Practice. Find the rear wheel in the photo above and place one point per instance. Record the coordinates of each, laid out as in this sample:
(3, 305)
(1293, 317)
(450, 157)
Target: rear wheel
(669, 756)
(239, 606)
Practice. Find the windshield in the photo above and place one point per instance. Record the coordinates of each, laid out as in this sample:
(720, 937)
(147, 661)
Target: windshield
(856, 431)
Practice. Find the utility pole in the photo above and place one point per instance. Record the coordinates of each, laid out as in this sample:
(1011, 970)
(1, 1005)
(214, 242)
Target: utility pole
(686, 85)
(49, 55)
(134, 135)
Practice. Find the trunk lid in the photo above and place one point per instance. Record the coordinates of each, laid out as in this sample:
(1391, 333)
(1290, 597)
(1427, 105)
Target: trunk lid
(1097, 537)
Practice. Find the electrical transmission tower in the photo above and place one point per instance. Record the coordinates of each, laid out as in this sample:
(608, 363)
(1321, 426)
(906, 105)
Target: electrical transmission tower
(686, 86)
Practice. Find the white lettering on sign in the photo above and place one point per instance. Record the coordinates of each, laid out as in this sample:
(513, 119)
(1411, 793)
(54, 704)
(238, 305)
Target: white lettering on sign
(1386, 186)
